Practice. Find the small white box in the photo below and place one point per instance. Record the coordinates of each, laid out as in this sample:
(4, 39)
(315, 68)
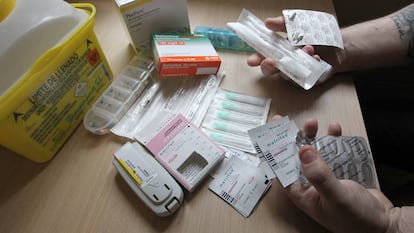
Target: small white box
(142, 18)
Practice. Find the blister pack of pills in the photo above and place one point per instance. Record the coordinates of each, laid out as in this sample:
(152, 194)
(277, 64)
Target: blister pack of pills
(307, 27)
(347, 157)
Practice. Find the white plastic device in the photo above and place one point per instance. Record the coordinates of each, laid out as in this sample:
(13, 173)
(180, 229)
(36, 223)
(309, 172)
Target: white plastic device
(292, 61)
(148, 179)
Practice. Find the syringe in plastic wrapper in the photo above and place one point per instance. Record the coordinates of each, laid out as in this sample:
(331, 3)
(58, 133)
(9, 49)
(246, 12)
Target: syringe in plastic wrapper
(293, 62)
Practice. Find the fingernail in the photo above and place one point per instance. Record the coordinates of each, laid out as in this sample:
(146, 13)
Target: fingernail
(308, 156)
(267, 69)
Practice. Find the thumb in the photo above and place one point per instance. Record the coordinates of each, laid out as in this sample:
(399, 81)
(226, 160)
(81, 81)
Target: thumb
(276, 24)
(318, 173)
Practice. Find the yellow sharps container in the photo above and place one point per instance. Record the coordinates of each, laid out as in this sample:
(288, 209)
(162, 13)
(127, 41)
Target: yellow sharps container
(52, 70)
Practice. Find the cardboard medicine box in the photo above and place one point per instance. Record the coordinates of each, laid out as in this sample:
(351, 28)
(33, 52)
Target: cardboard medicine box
(142, 18)
(184, 55)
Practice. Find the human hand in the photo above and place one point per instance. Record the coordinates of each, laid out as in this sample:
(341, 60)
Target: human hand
(268, 65)
(338, 205)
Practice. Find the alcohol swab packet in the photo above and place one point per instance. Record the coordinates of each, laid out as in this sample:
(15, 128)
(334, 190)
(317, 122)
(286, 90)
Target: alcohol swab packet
(240, 184)
(276, 142)
(257, 133)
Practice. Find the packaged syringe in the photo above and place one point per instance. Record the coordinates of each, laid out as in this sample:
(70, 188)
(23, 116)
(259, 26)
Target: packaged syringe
(292, 61)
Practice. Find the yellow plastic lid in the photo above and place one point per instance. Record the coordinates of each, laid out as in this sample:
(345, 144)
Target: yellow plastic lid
(6, 7)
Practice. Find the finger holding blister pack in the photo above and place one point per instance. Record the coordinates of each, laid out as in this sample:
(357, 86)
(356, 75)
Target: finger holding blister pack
(347, 157)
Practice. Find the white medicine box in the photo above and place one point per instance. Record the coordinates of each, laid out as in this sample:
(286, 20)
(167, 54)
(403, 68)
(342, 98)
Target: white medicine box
(142, 18)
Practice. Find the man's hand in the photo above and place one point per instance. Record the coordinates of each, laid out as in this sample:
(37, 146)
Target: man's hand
(338, 205)
(268, 65)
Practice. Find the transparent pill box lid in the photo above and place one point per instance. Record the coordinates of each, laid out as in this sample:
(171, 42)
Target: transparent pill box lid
(109, 108)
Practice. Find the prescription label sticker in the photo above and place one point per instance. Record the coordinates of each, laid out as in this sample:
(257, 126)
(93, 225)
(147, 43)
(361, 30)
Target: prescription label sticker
(306, 27)
(240, 185)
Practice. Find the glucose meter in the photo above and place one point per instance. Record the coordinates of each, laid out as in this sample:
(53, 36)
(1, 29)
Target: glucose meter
(148, 179)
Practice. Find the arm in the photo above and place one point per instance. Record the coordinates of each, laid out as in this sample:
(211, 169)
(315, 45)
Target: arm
(385, 41)
(401, 219)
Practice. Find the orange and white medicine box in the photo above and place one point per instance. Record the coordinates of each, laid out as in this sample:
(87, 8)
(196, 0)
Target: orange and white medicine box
(184, 55)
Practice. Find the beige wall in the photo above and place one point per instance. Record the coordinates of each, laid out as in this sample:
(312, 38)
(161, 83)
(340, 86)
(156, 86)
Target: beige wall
(354, 11)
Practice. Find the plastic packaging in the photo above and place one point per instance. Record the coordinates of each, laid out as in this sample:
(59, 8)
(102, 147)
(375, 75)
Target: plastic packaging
(191, 97)
(231, 115)
(293, 62)
(223, 38)
(117, 99)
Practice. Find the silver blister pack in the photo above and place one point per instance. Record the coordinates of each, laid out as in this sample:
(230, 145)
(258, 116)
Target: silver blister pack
(348, 158)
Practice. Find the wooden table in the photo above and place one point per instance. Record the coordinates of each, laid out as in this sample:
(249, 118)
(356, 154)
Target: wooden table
(80, 190)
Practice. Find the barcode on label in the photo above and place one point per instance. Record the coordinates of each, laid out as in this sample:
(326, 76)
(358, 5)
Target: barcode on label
(257, 148)
(227, 197)
(269, 157)
(259, 152)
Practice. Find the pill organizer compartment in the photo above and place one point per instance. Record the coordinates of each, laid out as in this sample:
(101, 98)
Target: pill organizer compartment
(143, 63)
(118, 97)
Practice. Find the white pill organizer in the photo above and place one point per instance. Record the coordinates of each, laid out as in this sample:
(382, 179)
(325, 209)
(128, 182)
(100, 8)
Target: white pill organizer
(116, 100)
(148, 179)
